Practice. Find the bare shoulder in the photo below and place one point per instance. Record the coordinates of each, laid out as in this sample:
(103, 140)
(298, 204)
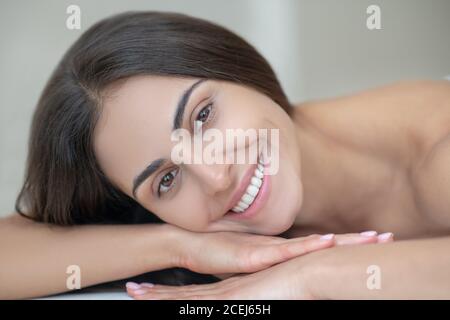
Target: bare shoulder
(418, 108)
(416, 114)
(424, 105)
(408, 88)
(14, 219)
(430, 180)
(430, 172)
(405, 89)
(402, 120)
(408, 124)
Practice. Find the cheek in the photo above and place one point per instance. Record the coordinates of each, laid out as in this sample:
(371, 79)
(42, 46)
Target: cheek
(235, 118)
(287, 198)
(185, 210)
(241, 112)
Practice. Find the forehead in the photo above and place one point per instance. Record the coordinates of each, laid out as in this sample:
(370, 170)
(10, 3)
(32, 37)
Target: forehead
(135, 124)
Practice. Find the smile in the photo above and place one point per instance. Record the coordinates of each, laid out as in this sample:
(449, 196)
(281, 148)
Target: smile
(252, 190)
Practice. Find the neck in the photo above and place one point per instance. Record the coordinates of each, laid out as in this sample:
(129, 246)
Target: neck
(341, 184)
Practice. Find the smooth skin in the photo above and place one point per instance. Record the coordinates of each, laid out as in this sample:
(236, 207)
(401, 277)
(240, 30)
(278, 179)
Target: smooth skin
(35, 256)
(362, 162)
(390, 150)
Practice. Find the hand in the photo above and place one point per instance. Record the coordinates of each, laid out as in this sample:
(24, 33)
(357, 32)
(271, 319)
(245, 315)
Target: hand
(287, 280)
(234, 252)
(273, 283)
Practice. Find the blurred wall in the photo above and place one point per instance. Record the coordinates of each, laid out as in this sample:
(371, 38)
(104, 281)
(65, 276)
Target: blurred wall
(317, 48)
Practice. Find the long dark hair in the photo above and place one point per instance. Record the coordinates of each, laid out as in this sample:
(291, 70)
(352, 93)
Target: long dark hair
(63, 183)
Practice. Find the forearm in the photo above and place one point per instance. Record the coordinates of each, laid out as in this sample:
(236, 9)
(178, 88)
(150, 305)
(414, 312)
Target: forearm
(411, 269)
(34, 256)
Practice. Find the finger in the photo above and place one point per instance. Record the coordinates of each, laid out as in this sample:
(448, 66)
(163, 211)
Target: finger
(131, 287)
(180, 289)
(137, 292)
(281, 240)
(145, 289)
(171, 296)
(162, 292)
(147, 284)
(385, 237)
(357, 238)
(281, 252)
(147, 296)
(211, 287)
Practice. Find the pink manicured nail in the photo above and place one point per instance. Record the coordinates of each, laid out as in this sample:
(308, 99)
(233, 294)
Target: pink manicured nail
(368, 233)
(139, 292)
(327, 237)
(147, 284)
(385, 236)
(132, 285)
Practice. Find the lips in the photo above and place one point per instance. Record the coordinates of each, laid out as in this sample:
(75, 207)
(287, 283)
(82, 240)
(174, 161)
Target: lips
(251, 194)
(237, 195)
(252, 190)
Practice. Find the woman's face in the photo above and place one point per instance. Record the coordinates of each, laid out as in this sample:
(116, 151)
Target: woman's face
(134, 134)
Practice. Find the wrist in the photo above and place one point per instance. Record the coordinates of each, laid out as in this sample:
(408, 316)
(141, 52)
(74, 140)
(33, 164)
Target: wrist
(175, 241)
(161, 247)
(316, 270)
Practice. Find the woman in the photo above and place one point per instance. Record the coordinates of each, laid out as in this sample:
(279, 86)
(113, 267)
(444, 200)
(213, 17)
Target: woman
(100, 148)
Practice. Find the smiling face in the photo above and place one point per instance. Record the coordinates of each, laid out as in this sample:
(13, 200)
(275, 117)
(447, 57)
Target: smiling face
(133, 146)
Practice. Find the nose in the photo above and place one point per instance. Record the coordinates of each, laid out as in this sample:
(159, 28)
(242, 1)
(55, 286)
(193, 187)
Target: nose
(214, 178)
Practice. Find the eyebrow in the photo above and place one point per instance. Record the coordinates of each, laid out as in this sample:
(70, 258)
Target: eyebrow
(177, 121)
(147, 172)
(184, 99)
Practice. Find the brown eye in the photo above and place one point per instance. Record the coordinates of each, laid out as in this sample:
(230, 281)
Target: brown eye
(203, 115)
(167, 181)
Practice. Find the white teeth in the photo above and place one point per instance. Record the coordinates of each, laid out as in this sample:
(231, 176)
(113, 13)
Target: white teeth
(252, 190)
(248, 199)
(259, 174)
(242, 205)
(256, 182)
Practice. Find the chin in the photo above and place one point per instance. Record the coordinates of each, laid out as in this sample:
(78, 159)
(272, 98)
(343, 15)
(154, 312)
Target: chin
(279, 220)
(284, 204)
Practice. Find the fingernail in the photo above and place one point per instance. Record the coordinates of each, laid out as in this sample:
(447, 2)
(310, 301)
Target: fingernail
(139, 292)
(385, 236)
(132, 285)
(327, 237)
(368, 233)
(147, 284)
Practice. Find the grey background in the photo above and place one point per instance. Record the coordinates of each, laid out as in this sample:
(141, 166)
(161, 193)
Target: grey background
(317, 48)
